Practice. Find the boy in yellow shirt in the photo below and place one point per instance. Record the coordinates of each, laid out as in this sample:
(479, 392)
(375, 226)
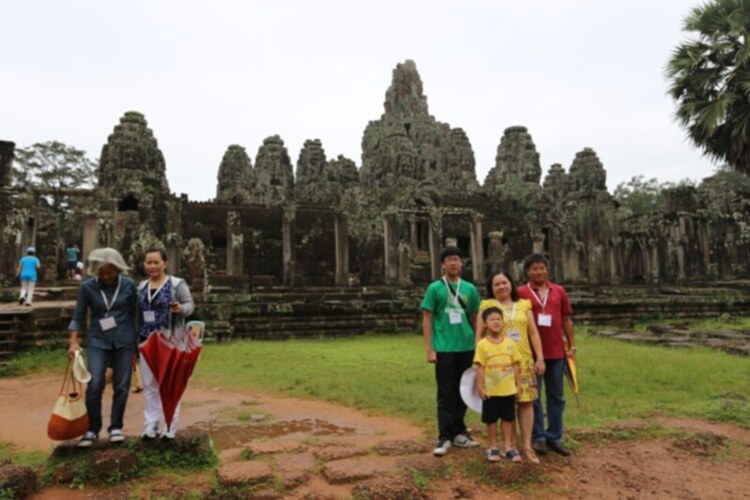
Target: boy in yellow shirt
(497, 359)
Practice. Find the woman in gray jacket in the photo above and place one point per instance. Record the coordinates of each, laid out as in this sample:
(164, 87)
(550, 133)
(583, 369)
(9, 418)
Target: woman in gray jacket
(163, 303)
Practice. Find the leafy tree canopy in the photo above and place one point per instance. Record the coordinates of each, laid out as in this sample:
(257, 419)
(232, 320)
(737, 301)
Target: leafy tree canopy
(53, 165)
(710, 81)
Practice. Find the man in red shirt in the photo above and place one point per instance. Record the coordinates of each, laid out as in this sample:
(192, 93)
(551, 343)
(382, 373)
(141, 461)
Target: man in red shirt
(554, 319)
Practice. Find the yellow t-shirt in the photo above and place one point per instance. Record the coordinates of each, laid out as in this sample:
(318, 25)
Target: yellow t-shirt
(515, 323)
(497, 361)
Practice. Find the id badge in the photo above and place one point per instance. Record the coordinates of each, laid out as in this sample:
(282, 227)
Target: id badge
(514, 335)
(149, 316)
(544, 320)
(455, 317)
(107, 323)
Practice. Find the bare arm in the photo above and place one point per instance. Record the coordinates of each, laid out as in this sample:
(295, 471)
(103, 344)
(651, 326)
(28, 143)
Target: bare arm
(73, 344)
(536, 343)
(480, 382)
(570, 335)
(478, 330)
(517, 375)
(427, 332)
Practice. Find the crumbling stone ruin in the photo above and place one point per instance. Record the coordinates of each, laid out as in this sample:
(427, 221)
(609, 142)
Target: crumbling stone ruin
(383, 223)
(236, 177)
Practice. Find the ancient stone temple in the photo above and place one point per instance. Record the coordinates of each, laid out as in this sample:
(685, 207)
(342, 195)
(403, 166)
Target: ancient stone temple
(407, 147)
(382, 224)
(274, 177)
(236, 178)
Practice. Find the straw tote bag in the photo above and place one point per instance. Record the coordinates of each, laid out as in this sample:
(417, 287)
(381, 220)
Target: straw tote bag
(69, 418)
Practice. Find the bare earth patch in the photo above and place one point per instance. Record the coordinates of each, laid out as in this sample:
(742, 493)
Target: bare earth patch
(290, 448)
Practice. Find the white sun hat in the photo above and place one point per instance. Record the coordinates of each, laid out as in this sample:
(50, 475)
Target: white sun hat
(101, 256)
(469, 392)
(80, 372)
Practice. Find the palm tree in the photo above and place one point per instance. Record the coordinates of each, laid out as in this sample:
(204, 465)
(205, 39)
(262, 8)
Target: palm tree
(710, 80)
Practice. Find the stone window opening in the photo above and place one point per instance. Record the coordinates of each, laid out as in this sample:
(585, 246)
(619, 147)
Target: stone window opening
(407, 128)
(423, 236)
(128, 204)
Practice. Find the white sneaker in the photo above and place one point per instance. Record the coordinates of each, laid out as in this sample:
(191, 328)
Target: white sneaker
(149, 432)
(116, 436)
(464, 441)
(442, 448)
(169, 432)
(87, 440)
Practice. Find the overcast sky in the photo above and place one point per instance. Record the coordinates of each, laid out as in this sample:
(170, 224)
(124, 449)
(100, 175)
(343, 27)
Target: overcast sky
(577, 73)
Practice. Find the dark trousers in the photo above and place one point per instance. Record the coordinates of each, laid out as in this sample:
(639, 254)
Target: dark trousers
(121, 360)
(451, 408)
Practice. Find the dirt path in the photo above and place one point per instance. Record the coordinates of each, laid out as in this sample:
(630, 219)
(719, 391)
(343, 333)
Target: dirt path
(320, 450)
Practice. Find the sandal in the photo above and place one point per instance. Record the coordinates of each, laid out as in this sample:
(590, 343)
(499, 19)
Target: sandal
(529, 455)
(513, 455)
(493, 455)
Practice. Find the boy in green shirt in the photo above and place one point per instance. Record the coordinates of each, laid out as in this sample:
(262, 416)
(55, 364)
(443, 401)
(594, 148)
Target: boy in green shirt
(449, 308)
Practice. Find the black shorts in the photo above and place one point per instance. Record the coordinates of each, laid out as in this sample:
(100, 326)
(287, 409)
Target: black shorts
(72, 265)
(499, 408)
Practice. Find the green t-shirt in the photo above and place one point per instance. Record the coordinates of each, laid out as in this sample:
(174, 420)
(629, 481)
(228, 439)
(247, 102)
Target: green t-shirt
(449, 335)
(72, 254)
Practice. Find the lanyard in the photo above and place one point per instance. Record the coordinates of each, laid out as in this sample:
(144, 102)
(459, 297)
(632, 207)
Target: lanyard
(108, 305)
(152, 297)
(546, 296)
(512, 311)
(454, 293)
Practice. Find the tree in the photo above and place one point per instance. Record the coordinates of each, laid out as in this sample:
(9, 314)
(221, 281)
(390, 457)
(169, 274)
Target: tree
(639, 195)
(710, 81)
(56, 166)
(53, 165)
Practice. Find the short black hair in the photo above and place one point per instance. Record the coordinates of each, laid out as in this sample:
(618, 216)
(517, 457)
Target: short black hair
(533, 259)
(162, 253)
(449, 251)
(491, 310)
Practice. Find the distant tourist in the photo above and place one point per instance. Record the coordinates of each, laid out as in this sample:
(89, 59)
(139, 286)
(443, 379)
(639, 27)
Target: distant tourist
(519, 327)
(73, 255)
(497, 360)
(110, 298)
(27, 271)
(554, 320)
(163, 304)
(449, 308)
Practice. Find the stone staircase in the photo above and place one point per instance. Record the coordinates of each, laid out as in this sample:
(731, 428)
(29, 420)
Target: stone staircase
(281, 313)
(11, 328)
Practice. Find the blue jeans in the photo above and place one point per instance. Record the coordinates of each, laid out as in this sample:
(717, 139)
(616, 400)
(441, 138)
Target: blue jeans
(552, 380)
(122, 368)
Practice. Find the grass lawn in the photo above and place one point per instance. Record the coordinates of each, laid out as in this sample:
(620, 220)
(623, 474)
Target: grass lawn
(388, 375)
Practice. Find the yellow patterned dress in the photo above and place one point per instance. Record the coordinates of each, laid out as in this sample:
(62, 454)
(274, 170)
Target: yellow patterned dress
(516, 327)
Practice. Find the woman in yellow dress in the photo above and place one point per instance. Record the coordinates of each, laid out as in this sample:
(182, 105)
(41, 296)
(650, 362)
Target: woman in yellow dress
(518, 326)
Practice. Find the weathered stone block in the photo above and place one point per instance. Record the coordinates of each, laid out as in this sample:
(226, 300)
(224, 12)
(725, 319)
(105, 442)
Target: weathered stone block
(390, 487)
(350, 470)
(17, 482)
(248, 473)
(338, 452)
(111, 463)
(400, 447)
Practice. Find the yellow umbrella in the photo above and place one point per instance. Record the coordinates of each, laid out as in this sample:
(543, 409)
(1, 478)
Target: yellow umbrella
(571, 371)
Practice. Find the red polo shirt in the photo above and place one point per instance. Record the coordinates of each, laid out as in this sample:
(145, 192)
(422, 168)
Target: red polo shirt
(557, 306)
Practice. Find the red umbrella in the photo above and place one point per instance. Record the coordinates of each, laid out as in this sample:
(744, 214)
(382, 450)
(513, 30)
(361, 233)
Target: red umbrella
(172, 358)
